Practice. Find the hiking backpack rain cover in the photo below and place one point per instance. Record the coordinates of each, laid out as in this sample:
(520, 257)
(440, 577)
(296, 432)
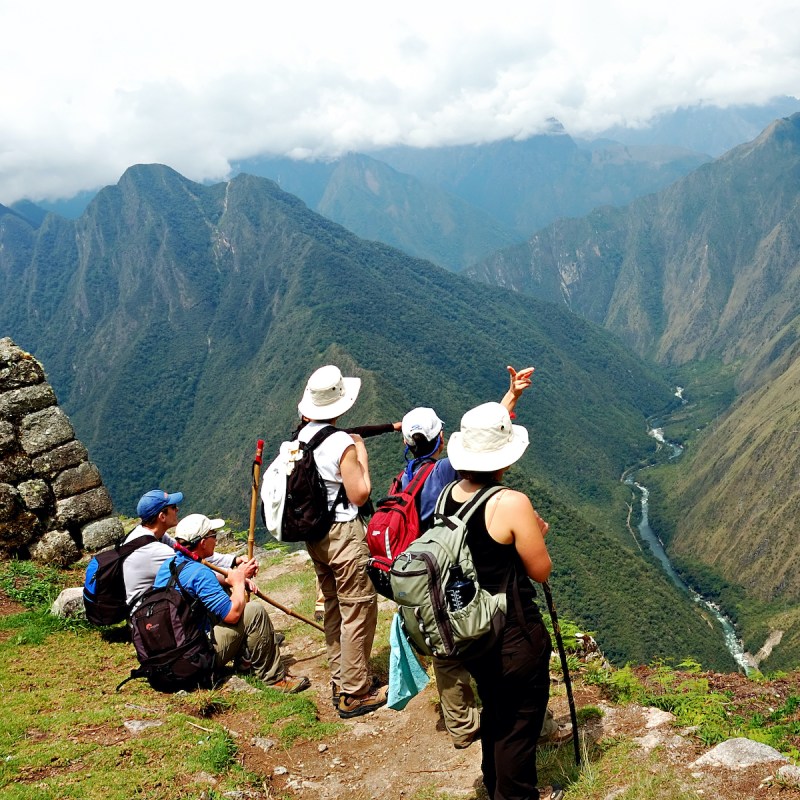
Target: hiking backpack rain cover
(394, 525)
(104, 595)
(294, 495)
(173, 649)
(420, 578)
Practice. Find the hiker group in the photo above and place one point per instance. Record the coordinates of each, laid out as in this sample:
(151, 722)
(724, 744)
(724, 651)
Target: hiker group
(455, 549)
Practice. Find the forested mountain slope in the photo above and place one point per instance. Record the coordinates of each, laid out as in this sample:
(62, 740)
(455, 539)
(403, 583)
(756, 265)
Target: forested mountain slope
(706, 271)
(178, 323)
(707, 267)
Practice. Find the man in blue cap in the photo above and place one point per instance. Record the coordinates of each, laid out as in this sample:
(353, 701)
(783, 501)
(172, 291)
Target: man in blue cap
(159, 513)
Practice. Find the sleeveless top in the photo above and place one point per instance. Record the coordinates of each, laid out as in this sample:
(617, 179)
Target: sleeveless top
(493, 561)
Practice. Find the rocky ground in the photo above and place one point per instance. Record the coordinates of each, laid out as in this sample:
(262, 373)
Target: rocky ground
(396, 754)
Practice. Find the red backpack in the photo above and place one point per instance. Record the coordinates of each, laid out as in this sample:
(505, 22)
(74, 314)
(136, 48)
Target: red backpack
(394, 525)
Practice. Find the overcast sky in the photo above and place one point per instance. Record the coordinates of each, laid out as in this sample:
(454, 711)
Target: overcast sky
(89, 88)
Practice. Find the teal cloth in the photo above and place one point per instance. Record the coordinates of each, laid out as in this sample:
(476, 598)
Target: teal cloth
(406, 675)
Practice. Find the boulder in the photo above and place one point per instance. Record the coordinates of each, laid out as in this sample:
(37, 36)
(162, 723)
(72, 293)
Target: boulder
(15, 468)
(35, 494)
(60, 458)
(9, 502)
(56, 548)
(75, 480)
(19, 402)
(69, 604)
(102, 533)
(24, 372)
(84, 508)
(45, 430)
(8, 438)
(739, 753)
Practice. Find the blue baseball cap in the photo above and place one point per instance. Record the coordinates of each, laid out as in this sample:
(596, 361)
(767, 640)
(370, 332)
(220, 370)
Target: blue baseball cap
(155, 501)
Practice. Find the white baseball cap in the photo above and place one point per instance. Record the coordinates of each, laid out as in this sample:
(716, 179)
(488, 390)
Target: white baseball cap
(421, 420)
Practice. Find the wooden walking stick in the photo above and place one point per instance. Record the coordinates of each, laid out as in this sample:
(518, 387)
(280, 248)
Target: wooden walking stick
(258, 593)
(251, 536)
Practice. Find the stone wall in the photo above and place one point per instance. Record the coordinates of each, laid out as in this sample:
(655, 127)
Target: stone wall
(53, 504)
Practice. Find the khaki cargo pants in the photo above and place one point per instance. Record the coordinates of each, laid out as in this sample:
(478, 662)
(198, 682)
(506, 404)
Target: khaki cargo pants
(351, 604)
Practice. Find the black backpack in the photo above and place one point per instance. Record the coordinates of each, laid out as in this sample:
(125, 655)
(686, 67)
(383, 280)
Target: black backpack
(294, 495)
(104, 585)
(173, 649)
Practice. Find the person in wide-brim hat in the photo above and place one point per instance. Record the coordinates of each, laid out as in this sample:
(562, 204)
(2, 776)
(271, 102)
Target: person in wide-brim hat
(487, 441)
(506, 540)
(328, 394)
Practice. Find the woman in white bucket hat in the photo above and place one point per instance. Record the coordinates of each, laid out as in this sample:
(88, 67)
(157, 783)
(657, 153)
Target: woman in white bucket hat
(508, 549)
(423, 436)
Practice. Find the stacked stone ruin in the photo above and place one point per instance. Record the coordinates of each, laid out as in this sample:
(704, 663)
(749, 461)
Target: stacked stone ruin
(53, 505)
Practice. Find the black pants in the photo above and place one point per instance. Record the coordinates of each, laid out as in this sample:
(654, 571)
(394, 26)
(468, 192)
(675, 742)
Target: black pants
(513, 681)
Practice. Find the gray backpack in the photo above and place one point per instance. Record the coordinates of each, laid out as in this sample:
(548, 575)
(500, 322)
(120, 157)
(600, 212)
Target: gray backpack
(443, 609)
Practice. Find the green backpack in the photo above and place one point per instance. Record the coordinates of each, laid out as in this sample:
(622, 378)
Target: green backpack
(443, 609)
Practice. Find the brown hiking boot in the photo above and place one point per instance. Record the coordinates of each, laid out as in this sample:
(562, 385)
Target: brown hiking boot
(291, 684)
(356, 705)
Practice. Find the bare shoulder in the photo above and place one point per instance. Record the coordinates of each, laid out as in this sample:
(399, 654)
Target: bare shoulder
(510, 502)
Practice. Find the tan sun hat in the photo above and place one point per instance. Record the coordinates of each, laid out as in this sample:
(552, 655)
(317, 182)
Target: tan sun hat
(487, 440)
(328, 395)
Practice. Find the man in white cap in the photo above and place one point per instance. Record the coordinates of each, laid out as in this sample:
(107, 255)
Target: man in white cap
(158, 511)
(340, 558)
(241, 630)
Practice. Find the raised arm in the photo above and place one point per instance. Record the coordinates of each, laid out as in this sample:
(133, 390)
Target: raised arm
(518, 382)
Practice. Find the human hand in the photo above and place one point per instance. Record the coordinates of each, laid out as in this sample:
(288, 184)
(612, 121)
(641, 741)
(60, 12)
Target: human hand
(519, 381)
(543, 526)
(248, 567)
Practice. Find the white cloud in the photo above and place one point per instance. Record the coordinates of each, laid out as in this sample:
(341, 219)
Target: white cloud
(90, 88)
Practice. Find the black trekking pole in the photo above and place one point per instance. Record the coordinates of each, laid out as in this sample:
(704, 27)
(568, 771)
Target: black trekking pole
(565, 669)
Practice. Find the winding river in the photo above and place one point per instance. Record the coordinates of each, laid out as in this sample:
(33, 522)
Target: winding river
(732, 641)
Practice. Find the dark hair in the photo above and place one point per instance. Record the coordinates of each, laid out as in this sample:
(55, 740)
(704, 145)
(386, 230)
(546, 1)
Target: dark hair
(423, 447)
(482, 478)
(150, 521)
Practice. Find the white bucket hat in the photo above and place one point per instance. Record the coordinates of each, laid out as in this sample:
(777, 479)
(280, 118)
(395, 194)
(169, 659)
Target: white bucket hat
(328, 395)
(487, 440)
(193, 528)
(421, 420)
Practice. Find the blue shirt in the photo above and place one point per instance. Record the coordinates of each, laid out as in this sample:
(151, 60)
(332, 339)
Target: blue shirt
(443, 473)
(198, 581)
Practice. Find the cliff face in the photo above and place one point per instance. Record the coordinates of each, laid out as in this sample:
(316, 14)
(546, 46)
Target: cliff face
(53, 503)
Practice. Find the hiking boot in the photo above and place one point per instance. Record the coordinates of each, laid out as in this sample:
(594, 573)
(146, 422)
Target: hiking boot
(554, 792)
(463, 744)
(560, 735)
(291, 684)
(336, 693)
(356, 705)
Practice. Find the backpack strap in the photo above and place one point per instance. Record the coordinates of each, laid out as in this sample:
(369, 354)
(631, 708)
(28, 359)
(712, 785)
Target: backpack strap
(312, 444)
(140, 541)
(415, 484)
(174, 580)
(471, 506)
(319, 437)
